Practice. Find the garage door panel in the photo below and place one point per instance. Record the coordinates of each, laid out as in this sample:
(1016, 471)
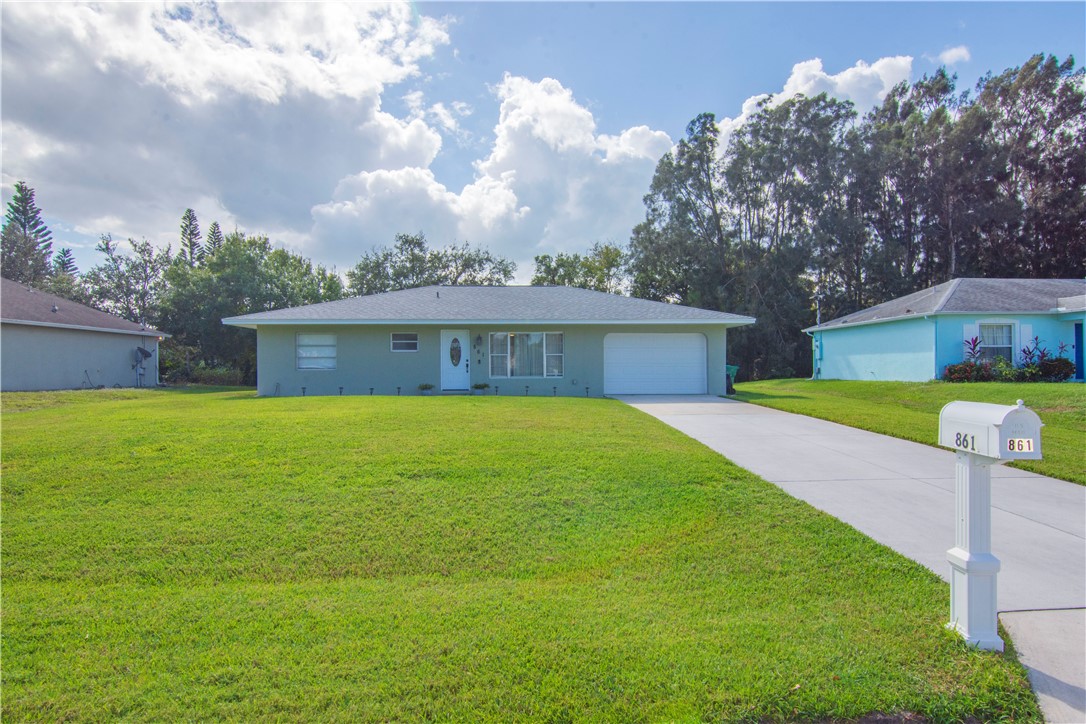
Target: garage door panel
(654, 364)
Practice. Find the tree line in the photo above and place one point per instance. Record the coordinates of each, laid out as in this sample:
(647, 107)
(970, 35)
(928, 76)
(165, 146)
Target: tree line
(808, 211)
(812, 211)
(188, 293)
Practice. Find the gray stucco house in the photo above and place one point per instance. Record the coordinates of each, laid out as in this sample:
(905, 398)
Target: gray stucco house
(518, 340)
(51, 343)
(915, 337)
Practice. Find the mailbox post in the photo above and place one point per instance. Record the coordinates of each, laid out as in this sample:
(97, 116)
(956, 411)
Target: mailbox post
(983, 435)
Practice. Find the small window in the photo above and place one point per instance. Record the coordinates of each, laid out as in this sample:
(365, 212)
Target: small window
(405, 342)
(996, 340)
(316, 351)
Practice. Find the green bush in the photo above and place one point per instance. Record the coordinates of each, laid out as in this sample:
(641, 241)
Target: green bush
(220, 376)
(1056, 369)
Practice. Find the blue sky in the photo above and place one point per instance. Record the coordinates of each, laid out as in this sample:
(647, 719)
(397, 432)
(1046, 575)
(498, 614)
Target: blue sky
(527, 128)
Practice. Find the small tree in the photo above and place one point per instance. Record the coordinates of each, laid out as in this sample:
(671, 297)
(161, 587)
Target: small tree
(63, 263)
(214, 239)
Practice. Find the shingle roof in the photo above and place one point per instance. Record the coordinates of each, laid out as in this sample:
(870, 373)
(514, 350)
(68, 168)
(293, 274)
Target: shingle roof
(521, 304)
(22, 304)
(958, 296)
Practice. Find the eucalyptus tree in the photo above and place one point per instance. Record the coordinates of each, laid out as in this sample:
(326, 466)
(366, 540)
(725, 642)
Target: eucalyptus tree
(1038, 122)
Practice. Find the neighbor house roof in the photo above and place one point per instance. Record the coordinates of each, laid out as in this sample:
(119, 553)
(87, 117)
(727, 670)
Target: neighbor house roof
(488, 305)
(20, 304)
(973, 296)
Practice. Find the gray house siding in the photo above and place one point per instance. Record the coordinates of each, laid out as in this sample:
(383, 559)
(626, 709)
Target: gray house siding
(364, 359)
(49, 358)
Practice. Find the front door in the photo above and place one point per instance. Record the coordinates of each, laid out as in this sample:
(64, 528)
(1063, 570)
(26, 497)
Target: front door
(1078, 352)
(454, 359)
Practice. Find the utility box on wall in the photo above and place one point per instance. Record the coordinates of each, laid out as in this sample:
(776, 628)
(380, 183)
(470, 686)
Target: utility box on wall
(983, 435)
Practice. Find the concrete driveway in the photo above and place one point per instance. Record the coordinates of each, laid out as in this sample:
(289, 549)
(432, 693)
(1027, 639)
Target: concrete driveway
(902, 495)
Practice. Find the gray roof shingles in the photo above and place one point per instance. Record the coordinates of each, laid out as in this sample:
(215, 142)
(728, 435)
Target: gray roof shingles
(490, 304)
(962, 296)
(20, 303)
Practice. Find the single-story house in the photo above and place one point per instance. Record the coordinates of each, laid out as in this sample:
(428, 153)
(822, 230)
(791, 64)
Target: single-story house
(52, 343)
(915, 337)
(519, 340)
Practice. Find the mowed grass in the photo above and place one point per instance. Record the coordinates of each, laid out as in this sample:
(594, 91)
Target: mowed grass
(217, 556)
(910, 410)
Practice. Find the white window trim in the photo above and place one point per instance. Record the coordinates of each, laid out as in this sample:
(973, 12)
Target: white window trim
(335, 359)
(544, 376)
(1015, 334)
(391, 343)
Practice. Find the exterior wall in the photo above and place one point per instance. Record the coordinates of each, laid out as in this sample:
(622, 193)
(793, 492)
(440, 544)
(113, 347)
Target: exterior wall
(1052, 329)
(899, 350)
(364, 359)
(48, 358)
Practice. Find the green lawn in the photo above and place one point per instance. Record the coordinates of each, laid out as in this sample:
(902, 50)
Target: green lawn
(910, 410)
(171, 556)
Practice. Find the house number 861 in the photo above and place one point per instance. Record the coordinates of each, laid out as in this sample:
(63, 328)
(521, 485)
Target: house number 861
(965, 441)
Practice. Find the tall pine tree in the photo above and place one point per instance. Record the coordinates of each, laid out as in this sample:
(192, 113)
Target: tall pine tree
(192, 251)
(27, 242)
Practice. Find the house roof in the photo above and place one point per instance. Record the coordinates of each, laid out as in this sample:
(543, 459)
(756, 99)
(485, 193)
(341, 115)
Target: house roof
(490, 304)
(973, 296)
(20, 304)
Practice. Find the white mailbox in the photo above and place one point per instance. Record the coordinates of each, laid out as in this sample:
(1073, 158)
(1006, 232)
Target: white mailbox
(983, 435)
(1003, 432)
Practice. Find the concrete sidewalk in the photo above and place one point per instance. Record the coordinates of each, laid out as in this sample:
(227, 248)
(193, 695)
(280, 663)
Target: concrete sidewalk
(902, 495)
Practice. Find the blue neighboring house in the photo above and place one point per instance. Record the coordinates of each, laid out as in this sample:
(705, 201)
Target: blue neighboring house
(915, 337)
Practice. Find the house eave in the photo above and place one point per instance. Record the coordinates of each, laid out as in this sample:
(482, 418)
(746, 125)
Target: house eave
(982, 313)
(84, 328)
(254, 324)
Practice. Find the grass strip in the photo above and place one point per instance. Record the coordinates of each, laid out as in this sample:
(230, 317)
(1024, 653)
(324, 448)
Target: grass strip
(910, 411)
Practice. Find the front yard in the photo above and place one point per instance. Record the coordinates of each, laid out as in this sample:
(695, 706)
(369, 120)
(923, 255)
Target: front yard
(910, 410)
(174, 556)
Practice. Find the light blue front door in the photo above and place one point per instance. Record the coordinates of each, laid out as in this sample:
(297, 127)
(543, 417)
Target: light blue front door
(455, 354)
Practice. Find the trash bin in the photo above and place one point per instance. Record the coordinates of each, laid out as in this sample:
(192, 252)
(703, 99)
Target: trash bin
(732, 371)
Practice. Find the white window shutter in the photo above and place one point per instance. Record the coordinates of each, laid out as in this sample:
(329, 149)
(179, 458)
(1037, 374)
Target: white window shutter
(968, 332)
(1027, 335)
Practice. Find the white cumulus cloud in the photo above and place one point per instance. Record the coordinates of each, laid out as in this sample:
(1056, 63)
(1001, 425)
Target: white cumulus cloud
(550, 182)
(263, 50)
(866, 85)
(955, 55)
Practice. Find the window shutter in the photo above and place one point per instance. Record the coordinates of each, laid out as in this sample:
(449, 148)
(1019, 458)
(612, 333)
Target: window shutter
(969, 331)
(1027, 335)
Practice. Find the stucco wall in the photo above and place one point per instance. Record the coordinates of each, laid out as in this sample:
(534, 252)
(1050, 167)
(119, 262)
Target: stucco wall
(364, 360)
(47, 358)
(901, 350)
(953, 330)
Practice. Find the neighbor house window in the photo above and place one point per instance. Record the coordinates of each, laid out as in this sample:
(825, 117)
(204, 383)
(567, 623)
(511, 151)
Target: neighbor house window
(996, 340)
(526, 354)
(405, 342)
(316, 351)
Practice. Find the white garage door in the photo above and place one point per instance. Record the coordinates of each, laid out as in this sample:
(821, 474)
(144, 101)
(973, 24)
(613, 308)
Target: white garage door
(654, 364)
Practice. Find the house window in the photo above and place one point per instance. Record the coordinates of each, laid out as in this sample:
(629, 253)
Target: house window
(527, 354)
(405, 342)
(996, 340)
(315, 351)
